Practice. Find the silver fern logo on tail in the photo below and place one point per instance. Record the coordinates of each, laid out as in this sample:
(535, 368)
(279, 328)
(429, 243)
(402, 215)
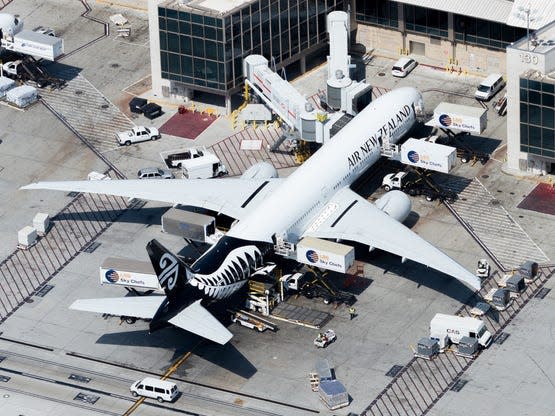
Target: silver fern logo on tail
(170, 270)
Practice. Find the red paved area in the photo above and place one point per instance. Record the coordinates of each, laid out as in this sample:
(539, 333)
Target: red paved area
(187, 125)
(541, 199)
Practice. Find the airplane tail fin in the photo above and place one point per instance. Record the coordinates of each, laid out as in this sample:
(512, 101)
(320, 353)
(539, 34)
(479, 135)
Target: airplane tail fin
(172, 272)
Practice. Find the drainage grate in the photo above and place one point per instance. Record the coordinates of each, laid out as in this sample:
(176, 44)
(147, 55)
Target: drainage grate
(393, 371)
(73, 194)
(542, 293)
(81, 379)
(44, 290)
(500, 339)
(86, 398)
(458, 385)
(4, 379)
(91, 247)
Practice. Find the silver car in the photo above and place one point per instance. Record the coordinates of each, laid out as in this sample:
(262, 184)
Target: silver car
(154, 173)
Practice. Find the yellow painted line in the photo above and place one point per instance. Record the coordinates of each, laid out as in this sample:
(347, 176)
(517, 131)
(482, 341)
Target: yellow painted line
(177, 364)
(134, 407)
(168, 373)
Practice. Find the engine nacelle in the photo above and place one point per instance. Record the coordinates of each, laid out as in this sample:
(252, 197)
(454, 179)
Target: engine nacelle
(260, 170)
(396, 204)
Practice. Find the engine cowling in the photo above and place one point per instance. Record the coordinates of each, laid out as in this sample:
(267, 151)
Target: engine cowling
(260, 170)
(396, 204)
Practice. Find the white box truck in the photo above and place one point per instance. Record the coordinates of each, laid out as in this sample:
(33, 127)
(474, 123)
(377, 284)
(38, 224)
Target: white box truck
(433, 156)
(204, 167)
(133, 274)
(325, 254)
(451, 328)
(35, 44)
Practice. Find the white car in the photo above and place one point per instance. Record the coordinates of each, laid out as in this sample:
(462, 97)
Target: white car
(137, 134)
(402, 67)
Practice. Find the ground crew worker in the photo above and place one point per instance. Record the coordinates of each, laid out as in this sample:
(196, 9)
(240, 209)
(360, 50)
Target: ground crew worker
(352, 312)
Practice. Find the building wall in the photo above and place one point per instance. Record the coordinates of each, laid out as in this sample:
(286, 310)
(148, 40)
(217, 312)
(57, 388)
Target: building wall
(155, 69)
(379, 38)
(476, 59)
(519, 61)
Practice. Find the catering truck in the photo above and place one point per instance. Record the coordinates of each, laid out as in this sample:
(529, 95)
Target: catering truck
(325, 254)
(427, 155)
(463, 118)
(132, 274)
(450, 329)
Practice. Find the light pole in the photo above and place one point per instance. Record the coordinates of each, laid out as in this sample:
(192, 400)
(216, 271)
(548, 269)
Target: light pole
(526, 11)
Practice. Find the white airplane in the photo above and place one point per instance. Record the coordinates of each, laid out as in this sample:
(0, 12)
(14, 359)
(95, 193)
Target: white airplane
(315, 200)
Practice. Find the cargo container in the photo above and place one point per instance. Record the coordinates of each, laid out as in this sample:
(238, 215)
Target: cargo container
(187, 224)
(128, 273)
(333, 394)
(459, 117)
(325, 254)
(428, 155)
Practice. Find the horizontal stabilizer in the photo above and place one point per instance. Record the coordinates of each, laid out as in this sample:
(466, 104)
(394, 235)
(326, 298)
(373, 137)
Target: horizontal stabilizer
(143, 307)
(196, 319)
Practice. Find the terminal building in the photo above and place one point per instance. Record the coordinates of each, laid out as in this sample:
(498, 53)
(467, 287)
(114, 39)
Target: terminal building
(531, 103)
(198, 46)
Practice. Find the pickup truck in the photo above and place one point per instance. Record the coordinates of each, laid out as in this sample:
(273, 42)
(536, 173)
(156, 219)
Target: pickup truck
(137, 134)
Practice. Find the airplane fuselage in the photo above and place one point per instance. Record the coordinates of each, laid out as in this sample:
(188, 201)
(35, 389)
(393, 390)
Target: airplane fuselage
(297, 201)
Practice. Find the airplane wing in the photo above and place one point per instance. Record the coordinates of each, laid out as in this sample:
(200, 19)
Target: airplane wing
(231, 196)
(350, 217)
(196, 319)
(143, 307)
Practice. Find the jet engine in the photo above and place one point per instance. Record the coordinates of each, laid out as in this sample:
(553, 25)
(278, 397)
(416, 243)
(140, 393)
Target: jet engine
(260, 170)
(395, 204)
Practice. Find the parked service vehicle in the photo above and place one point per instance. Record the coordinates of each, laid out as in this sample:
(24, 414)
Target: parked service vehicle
(402, 67)
(176, 158)
(137, 134)
(451, 328)
(405, 182)
(489, 87)
(483, 268)
(154, 388)
(204, 167)
(154, 173)
(325, 339)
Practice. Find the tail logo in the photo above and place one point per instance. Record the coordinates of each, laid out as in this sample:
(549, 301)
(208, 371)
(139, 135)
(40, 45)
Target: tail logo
(170, 270)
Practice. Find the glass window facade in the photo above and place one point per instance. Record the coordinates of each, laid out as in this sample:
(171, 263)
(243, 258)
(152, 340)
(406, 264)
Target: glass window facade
(205, 51)
(484, 33)
(537, 118)
(428, 21)
(378, 13)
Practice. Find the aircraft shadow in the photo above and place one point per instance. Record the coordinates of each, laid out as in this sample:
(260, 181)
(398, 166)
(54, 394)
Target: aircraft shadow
(226, 356)
(145, 215)
(418, 273)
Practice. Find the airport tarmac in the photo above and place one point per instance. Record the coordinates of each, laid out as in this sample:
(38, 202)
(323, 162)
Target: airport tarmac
(43, 342)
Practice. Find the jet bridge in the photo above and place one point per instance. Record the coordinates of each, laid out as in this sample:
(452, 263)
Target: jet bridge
(343, 93)
(293, 108)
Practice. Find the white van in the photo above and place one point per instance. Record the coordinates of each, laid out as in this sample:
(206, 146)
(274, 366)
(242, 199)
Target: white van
(155, 388)
(489, 87)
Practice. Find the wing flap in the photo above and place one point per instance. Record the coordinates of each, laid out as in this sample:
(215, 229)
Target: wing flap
(143, 307)
(196, 319)
(363, 222)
